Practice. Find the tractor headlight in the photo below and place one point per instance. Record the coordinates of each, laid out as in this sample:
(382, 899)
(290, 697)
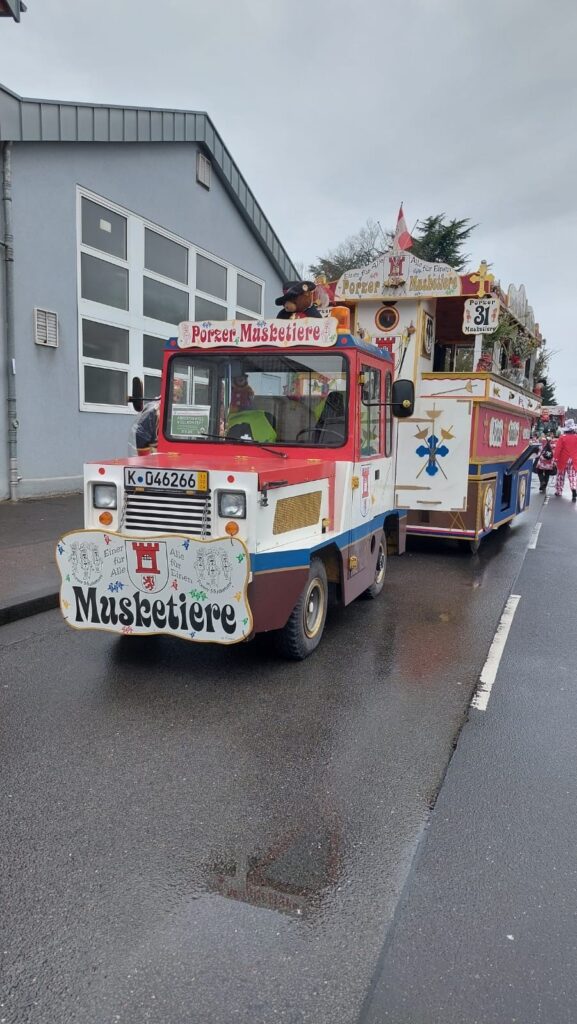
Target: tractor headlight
(232, 504)
(105, 496)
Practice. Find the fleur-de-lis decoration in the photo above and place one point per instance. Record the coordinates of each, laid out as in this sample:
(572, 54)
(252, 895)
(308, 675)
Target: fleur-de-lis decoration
(106, 539)
(186, 544)
(66, 604)
(68, 579)
(238, 596)
(60, 548)
(240, 558)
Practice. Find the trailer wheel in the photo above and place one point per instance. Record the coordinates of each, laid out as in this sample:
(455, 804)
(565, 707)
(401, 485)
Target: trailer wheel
(304, 629)
(380, 570)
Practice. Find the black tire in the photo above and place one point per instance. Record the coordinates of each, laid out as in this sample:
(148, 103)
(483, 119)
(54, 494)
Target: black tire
(304, 629)
(378, 583)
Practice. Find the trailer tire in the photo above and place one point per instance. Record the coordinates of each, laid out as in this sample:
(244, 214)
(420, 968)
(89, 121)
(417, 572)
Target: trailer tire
(380, 571)
(304, 629)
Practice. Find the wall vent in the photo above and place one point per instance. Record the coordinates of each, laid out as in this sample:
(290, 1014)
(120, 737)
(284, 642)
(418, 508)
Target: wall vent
(203, 170)
(46, 328)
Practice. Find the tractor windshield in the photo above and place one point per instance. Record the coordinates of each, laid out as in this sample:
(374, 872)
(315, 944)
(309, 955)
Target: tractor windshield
(273, 399)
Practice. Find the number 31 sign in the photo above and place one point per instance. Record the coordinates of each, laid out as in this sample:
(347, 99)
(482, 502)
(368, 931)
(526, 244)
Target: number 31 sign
(480, 316)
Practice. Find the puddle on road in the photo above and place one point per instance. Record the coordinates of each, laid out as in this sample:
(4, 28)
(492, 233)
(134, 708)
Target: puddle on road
(292, 876)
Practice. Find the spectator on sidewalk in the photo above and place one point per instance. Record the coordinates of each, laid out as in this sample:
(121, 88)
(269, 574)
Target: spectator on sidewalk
(545, 463)
(566, 459)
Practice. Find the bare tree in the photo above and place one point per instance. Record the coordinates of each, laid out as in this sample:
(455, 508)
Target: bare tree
(356, 251)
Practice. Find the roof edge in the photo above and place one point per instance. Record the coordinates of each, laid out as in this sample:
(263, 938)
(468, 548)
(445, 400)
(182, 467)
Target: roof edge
(43, 120)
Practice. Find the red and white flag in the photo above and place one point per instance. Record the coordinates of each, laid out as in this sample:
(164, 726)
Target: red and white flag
(402, 239)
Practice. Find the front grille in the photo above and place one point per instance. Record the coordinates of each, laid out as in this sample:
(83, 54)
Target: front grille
(168, 512)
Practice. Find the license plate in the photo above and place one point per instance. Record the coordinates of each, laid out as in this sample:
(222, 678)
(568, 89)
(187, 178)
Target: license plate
(167, 479)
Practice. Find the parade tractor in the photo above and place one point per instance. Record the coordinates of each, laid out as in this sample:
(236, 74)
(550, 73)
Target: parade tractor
(271, 484)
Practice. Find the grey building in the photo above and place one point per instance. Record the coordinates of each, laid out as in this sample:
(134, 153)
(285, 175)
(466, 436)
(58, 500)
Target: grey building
(125, 221)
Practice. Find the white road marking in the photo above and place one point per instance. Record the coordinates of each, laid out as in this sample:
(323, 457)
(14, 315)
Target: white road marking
(491, 667)
(546, 502)
(534, 537)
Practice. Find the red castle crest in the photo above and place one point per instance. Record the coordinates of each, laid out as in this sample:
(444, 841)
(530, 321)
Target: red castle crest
(146, 558)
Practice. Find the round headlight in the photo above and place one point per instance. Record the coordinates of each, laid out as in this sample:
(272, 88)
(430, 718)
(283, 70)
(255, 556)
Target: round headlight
(105, 496)
(232, 504)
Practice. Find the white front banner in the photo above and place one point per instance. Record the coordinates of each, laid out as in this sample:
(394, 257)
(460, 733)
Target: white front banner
(173, 584)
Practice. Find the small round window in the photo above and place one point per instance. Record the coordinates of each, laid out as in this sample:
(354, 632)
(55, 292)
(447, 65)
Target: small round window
(387, 318)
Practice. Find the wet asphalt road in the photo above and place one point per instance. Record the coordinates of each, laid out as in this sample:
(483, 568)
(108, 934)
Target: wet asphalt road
(209, 834)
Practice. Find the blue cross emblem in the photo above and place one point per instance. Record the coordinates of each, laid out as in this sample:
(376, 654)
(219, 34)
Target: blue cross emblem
(432, 450)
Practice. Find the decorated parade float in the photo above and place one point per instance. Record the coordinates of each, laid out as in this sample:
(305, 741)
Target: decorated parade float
(463, 458)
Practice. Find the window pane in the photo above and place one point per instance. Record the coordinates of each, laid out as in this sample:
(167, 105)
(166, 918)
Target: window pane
(244, 316)
(207, 310)
(211, 277)
(151, 387)
(371, 414)
(464, 358)
(248, 293)
(105, 387)
(388, 414)
(153, 352)
(279, 399)
(104, 282)
(103, 229)
(101, 341)
(165, 256)
(162, 302)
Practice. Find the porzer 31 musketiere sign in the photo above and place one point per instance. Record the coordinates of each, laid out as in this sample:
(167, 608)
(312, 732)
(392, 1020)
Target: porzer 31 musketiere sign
(172, 584)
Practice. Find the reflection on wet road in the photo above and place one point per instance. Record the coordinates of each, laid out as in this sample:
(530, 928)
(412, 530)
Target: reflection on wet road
(201, 834)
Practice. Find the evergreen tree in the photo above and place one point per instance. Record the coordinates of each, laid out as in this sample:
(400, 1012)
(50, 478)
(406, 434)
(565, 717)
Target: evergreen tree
(548, 393)
(441, 241)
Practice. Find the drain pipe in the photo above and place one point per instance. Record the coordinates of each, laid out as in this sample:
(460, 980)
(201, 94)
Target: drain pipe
(8, 245)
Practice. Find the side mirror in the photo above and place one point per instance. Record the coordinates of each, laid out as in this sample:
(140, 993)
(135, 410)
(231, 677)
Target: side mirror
(403, 402)
(137, 396)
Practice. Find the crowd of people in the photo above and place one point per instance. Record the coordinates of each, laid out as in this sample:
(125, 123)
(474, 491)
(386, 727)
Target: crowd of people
(557, 457)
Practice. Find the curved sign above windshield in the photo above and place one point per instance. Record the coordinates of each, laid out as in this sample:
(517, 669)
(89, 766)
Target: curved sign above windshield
(250, 333)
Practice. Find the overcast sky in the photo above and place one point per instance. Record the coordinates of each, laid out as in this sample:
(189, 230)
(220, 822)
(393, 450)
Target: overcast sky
(336, 111)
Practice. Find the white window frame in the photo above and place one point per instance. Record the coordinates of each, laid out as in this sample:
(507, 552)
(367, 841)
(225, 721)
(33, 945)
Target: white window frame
(133, 318)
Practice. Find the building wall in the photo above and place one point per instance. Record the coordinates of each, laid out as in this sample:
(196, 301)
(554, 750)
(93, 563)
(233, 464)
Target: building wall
(4, 490)
(156, 181)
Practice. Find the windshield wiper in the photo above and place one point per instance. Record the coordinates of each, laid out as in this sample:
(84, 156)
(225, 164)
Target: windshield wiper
(243, 440)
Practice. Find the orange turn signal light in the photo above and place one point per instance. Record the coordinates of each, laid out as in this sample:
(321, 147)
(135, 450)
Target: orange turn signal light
(105, 518)
(231, 528)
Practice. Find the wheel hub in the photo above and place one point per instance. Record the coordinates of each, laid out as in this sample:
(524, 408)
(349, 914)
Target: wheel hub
(314, 607)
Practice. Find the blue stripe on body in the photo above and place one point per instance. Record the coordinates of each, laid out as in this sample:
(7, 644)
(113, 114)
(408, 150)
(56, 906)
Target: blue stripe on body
(266, 560)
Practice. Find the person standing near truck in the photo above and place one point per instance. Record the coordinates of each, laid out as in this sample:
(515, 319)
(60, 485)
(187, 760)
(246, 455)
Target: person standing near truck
(566, 459)
(545, 465)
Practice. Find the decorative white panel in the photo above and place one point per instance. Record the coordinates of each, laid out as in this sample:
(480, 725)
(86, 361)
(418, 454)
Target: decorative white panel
(433, 456)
